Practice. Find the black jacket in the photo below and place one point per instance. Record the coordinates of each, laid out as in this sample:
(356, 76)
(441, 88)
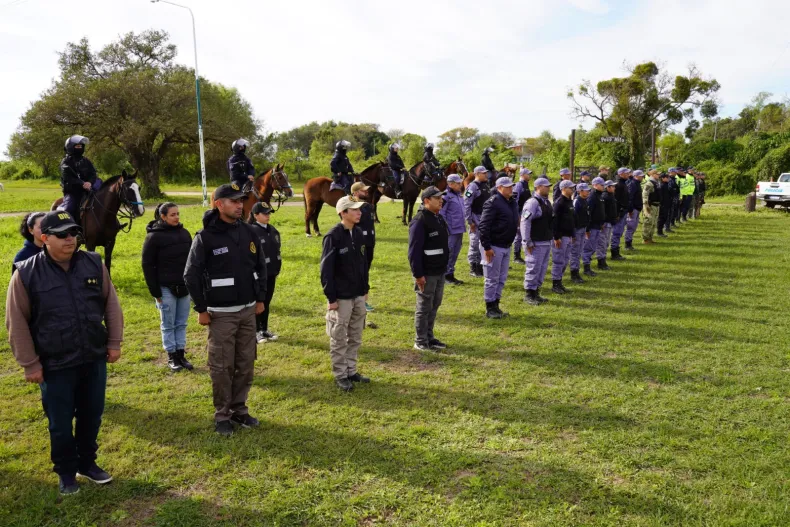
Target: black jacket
(665, 191)
(487, 163)
(344, 268)
(563, 224)
(597, 207)
(499, 222)
(429, 249)
(367, 224)
(74, 171)
(165, 252)
(621, 197)
(239, 167)
(431, 163)
(226, 266)
(581, 213)
(635, 195)
(270, 244)
(394, 161)
(610, 208)
(340, 164)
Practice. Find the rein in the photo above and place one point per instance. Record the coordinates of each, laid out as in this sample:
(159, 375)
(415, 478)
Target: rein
(124, 210)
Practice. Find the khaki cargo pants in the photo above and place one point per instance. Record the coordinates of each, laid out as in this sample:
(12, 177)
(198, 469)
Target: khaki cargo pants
(231, 360)
(344, 327)
(649, 226)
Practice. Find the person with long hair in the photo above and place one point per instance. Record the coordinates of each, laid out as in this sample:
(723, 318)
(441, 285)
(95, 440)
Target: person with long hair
(30, 229)
(270, 244)
(165, 252)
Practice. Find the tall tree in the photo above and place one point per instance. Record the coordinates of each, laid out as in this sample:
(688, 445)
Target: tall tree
(646, 98)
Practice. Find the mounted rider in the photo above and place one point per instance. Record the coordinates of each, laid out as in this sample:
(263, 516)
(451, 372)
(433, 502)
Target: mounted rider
(489, 165)
(77, 175)
(240, 168)
(432, 167)
(342, 171)
(398, 168)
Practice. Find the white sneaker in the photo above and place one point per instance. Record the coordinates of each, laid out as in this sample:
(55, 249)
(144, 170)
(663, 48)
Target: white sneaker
(268, 335)
(260, 337)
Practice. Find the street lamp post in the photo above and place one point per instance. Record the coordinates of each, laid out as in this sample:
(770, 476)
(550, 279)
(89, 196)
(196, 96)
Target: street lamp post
(197, 96)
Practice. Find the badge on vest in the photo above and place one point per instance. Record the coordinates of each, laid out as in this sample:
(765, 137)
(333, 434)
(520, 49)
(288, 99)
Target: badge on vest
(253, 250)
(221, 250)
(432, 234)
(91, 281)
(343, 250)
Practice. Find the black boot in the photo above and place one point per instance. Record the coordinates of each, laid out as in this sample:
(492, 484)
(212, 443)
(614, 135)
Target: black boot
(541, 300)
(518, 258)
(451, 279)
(588, 270)
(557, 287)
(183, 360)
(602, 265)
(496, 306)
(531, 297)
(173, 362)
(616, 256)
(480, 272)
(473, 270)
(491, 311)
(576, 277)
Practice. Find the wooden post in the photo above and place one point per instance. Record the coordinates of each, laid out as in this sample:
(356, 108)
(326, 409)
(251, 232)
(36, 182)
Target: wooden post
(573, 155)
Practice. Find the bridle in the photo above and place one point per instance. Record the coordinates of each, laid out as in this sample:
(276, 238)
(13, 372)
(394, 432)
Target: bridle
(125, 211)
(279, 188)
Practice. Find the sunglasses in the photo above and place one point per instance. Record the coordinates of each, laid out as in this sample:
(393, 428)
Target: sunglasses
(65, 234)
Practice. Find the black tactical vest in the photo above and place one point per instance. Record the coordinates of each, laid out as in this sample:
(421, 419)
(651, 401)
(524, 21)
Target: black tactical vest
(582, 216)
(479, 201)
(231, 257)
(66, 309)
(435, 251)
(270, 245)
(653, 197)
(541, 227)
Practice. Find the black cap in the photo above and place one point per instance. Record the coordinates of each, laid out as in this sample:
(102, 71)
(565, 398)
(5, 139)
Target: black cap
(261, 208)
(664, 174)
(431, 192)
(229, 191)
(58, 221)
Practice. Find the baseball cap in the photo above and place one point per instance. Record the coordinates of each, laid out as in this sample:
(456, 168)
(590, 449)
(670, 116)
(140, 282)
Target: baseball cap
(58, 221)
(454, 178)
(261, 207)
(359, 186)
(480, 169)
(673, 170)
(431, 192)
(524, 170)
(346, 203)
(598, 181)
(638, 173)
(584, 173)
(229, 191)
(542, 182)
(623, 170)
(567, 184)
(610, 183)
(504, 181)
(565, 172)
(582, 186)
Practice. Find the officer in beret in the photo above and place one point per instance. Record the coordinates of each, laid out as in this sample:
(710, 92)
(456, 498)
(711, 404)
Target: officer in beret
(563, 229)
(581, 217)
(453, 213)
(665, 207)
(635, 200)
(226, 276)
(596, 208)
(429, 251)
(651, 197)
(367, 223)
(344, 278)
(610, 208)
(498, 225)
(521, 194)
(624, 211)
(64, 325)
(565, 175)
(536, 219)
(477, 193)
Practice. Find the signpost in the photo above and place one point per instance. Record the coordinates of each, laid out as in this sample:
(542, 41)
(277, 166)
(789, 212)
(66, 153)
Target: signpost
(612, 139)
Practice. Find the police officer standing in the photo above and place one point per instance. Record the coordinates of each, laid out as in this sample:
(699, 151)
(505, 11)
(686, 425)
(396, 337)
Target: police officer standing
(396, 166)
(77, 175)
(226, 277)
(536, 218)
(498, 225)
(701, 188)
(477, 193)
(674, 189)
(565, 175)
(521, 194)
(624, 211)
(665, 208)
(581, 217)
(269, 236)
(453, 213)
(651, 197)
(563, 227)
(610, 208)
(597, 210)
(428, 257)
(344, 278)
(240, 167)
(635, 200)
(488, 164)
(367, 223)
(342, 171)
(56, 305)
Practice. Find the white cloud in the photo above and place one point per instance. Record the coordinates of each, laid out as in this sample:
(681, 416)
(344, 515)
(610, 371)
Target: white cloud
(423, 66)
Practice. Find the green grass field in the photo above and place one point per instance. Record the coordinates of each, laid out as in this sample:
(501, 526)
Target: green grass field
(655, 394)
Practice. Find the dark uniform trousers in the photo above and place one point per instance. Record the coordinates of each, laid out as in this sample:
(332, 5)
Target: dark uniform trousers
(231, 359)
(428, 302)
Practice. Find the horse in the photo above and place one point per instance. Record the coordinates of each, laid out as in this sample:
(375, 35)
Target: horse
(100, 212)
(265, 185)
(316, 192)
(507, 169)
(415, 183)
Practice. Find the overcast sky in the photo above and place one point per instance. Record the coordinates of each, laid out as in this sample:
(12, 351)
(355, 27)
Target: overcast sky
(424, 66)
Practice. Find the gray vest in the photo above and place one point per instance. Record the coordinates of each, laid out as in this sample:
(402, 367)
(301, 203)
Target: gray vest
(66, 309)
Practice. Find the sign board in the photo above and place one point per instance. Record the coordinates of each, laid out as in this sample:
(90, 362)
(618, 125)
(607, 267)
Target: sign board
(613, 139)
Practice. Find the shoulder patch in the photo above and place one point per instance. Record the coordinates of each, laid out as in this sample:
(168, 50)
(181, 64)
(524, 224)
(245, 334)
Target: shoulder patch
(253, 249)
(526, 214)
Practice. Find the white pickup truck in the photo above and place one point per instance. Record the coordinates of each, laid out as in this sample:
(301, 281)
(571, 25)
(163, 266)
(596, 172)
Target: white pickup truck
(775, 193)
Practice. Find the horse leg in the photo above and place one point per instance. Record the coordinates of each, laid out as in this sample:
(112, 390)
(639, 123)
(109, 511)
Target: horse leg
(308, 212)
(405, 206)
(108, 247)
(315, 217)
(411, 209)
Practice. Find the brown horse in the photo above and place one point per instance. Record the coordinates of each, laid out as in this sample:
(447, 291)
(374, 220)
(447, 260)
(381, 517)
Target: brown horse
(507, 169)
(265, 185)
(100, 212)
(316, 192)
(415, 183)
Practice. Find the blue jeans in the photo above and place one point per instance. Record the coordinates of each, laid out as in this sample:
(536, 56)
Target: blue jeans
(173, 316)
(76, 392)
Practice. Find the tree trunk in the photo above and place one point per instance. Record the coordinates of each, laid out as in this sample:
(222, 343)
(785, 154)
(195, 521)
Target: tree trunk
(147, 167)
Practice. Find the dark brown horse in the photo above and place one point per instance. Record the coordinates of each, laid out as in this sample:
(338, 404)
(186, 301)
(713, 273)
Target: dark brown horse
(316, 192)
(100, 212)
(265, 185)
(416, 183)
(507, 169)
